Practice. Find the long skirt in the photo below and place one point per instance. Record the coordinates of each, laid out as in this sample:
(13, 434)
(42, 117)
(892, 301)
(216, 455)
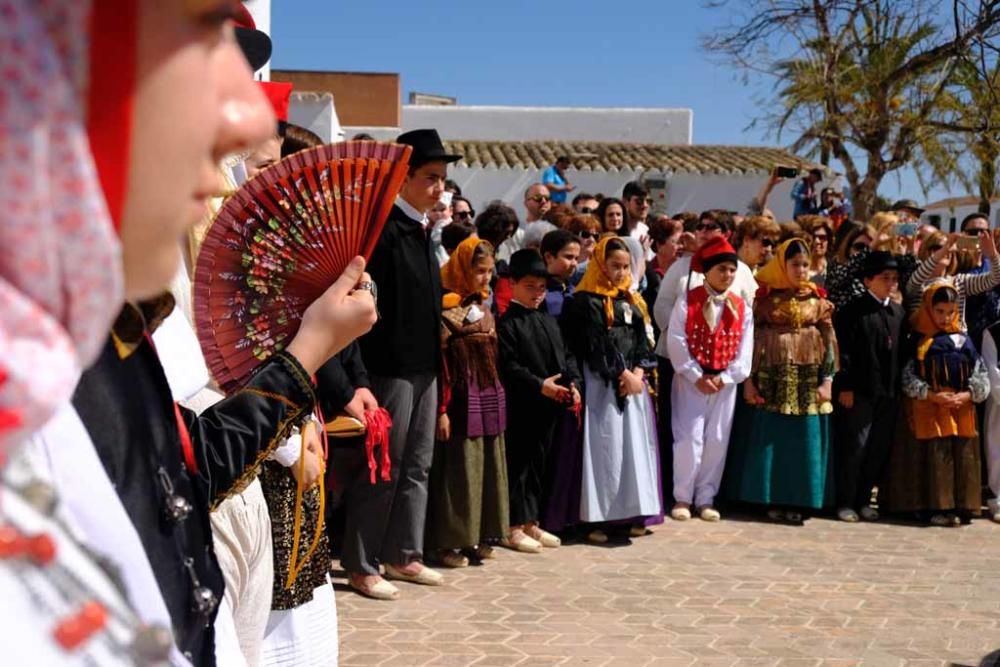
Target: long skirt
(620, 465)
(932, 475)
(563, 473)
(782, 460)
(468, 493)
(305, 636)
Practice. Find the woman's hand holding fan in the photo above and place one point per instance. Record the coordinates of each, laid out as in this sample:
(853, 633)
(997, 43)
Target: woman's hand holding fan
(342, 314)
(280, 269)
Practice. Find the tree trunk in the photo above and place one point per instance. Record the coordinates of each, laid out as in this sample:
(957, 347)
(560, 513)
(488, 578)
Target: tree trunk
(863, 197)
(987, 175)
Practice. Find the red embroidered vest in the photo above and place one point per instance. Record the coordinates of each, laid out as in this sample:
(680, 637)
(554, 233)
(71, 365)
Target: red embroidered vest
(714, 350)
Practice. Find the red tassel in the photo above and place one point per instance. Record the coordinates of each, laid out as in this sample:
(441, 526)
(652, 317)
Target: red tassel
(378, 423)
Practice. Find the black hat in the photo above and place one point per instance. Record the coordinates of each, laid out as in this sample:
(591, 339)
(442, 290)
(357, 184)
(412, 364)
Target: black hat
(879, 261)
(527, 262)
(907, 204)
(255, 44)
(427, 147)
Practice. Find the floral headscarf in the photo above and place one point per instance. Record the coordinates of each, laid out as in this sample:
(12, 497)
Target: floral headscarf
(63, 159)
(923, 319)
(456, 274)
(774, 274)
(596, 280)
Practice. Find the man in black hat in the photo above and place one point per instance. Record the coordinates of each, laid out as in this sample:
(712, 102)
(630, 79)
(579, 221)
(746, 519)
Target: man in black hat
(402, 354)
(869, 332)
(907, 210)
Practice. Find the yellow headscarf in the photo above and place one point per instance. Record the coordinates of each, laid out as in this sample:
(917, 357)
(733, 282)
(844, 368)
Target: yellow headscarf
(596, 280)
(774, 274)
(923, 319)
(456, 274)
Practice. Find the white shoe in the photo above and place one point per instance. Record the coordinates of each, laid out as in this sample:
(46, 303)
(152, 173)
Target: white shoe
(847, 514)
(680, 513)
(710, 514)
(993, 507)
(425, 577)
(869, 513)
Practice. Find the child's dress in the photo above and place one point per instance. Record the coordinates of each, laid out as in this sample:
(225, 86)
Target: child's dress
(468, 488)
(783, 458)
(935, 463)
(607, 333)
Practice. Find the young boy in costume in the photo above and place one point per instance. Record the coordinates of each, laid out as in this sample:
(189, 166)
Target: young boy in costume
(710, 341)
(540, 379)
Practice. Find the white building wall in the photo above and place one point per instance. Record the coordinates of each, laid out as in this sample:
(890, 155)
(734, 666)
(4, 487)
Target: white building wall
(685, 192)
(316, 112)
(951, 218)
(498, 123)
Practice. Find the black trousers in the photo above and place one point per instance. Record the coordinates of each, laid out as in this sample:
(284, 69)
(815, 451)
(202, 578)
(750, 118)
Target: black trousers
(363, 505)
(863, 444)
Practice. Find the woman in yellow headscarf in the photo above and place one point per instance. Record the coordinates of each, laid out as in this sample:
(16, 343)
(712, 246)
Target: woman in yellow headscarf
(783, 460)
(606, 331)
(467, 491)
(934, 468)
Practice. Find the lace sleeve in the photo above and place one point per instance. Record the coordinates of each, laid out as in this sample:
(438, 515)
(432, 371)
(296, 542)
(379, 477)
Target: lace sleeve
(979, 383)
(913, 386)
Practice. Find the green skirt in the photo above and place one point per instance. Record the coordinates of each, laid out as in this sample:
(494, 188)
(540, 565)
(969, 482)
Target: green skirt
(467, 493)
(782, 460)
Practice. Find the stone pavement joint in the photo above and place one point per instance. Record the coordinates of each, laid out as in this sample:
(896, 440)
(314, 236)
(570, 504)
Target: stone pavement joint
(733, 593)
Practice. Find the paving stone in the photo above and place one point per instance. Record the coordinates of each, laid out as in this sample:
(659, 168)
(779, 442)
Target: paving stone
(736, 592)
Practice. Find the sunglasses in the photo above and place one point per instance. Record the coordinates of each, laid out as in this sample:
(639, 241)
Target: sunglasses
(934, 248)
(821, 237)
(586, 209)
(975, 232)
(707, 227)
(858, 246)
(465, 215)
(768, 243)
(539, 198)
(589, 235)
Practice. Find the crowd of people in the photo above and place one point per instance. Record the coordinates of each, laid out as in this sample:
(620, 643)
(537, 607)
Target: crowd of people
(580, 374)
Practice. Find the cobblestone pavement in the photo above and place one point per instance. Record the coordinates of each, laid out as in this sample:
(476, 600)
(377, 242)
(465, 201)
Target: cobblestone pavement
(737, 592)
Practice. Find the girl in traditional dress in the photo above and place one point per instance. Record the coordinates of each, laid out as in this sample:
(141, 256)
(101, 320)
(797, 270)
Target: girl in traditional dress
(783, 461)
(467, 506)
(606, 331)
(935, 465)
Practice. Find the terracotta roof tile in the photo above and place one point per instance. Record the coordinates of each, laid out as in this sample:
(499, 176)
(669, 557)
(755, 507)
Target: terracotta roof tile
(596, 156)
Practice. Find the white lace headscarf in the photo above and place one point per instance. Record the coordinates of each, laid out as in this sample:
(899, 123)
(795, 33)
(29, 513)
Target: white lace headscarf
(60, 275)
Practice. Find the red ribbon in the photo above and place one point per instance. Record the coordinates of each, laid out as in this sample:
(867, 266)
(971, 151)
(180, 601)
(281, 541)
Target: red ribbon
(378, 423)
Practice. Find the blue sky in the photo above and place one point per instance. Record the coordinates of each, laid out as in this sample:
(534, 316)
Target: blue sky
(582, 53)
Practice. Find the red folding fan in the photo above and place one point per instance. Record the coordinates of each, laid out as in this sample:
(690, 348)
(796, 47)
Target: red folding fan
(280, 241)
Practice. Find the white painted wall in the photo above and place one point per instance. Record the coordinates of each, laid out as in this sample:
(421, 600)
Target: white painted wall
(260, 10)
(499, 123)
(685, 192)
(316, 112)
(951, 218)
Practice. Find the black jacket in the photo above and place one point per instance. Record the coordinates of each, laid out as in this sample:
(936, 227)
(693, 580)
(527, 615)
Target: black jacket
(531, 349)
(871, 338)
(338, 378)
(406, 340)
(127, 408)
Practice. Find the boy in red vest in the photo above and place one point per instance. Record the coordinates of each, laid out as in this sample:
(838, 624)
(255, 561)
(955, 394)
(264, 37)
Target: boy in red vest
(710, 342)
